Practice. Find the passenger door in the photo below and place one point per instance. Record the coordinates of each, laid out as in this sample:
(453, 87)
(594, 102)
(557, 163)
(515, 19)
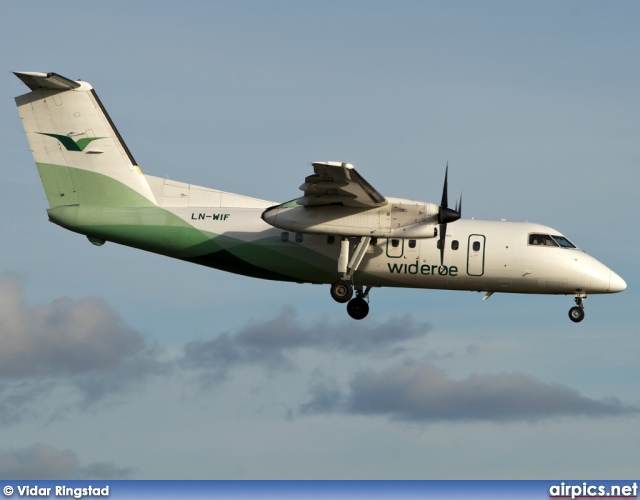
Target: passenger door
(395, 248)
(475, 255)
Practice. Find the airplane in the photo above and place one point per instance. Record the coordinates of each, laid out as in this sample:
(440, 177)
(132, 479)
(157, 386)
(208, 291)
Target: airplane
(341, 232)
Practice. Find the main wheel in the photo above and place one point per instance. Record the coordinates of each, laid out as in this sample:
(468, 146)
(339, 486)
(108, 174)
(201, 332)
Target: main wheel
(358, 308)
(576, 314)
(341, 291)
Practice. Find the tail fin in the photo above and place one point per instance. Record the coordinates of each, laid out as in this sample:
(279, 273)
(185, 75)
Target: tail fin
(79, 153)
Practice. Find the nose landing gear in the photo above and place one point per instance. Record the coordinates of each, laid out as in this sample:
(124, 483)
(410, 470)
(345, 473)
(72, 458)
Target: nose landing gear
(576, 313)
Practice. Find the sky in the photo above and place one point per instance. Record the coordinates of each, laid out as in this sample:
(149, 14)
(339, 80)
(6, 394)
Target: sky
(118, 364)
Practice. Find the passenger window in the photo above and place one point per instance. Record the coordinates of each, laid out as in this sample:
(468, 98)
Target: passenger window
(284, 236)
(476, 246)
(412, 243)
(395, 243)
(455, 245)
(439, 244)
(299, 237)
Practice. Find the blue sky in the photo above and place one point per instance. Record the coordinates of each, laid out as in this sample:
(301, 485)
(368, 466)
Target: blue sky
(534, 106)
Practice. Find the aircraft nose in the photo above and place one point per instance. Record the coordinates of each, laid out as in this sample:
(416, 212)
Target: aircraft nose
(604, 280)
(616, 283)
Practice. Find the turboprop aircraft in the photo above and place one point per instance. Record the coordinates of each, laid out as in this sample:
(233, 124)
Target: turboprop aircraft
(342, 231)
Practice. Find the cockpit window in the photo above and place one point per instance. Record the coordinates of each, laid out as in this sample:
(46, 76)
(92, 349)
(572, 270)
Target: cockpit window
(550, 241)
(563, 242)
(542, 240)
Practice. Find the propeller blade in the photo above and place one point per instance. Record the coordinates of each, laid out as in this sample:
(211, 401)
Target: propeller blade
(446, 214)
(441, 242)
(445, 198)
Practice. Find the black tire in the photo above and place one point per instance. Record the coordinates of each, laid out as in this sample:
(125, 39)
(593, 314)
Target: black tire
(358, 308)
(341, 291)
(576, 314)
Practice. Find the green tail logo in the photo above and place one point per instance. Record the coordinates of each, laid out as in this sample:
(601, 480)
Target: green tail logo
(72, 145)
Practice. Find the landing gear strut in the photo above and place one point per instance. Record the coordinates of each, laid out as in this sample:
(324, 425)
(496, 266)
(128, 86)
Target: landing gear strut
(576, 313)
(342, 290)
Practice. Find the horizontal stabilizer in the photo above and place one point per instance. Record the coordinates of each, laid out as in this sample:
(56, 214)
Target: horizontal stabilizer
(51, 81)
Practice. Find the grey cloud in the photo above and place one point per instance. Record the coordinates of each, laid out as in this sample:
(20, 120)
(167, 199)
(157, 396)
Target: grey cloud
(42, 461)
(82, 344)
(19, 399)
(63, 337)
(129, 372)
(285, 331)
(326, 396)
(268, 343)
(424, 393)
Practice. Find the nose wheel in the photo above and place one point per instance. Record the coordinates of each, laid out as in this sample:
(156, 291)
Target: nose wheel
(576, 313)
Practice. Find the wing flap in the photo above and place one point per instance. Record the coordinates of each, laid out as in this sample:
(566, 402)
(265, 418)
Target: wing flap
(335, 183)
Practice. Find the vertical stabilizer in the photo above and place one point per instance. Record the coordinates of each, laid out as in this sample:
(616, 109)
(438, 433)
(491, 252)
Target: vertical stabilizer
(79, 153)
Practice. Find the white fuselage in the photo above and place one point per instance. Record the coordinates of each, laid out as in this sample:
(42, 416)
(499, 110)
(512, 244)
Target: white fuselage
(479, 255)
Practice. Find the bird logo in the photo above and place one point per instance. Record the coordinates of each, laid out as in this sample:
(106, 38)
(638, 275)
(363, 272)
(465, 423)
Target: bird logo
(72, 145)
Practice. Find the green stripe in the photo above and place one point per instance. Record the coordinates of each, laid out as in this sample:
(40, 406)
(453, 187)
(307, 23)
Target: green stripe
(111, 211)
(88, 188)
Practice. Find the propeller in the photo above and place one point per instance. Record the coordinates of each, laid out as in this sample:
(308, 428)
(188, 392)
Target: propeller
(446, 214)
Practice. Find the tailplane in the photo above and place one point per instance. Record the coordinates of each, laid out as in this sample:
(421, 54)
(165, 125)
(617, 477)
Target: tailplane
(79, 153)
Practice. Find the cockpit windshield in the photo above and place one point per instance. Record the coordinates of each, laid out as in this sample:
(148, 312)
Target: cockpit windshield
(547, 240)
(563, 242)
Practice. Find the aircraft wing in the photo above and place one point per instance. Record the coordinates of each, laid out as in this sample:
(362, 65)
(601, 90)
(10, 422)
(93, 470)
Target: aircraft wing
(335, 183)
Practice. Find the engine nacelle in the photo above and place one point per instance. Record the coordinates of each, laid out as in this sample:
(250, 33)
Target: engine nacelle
(399, 219)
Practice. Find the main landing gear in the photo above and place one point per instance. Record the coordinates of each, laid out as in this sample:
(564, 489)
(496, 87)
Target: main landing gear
(576, 313)
(357, 307)
(342, 290)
